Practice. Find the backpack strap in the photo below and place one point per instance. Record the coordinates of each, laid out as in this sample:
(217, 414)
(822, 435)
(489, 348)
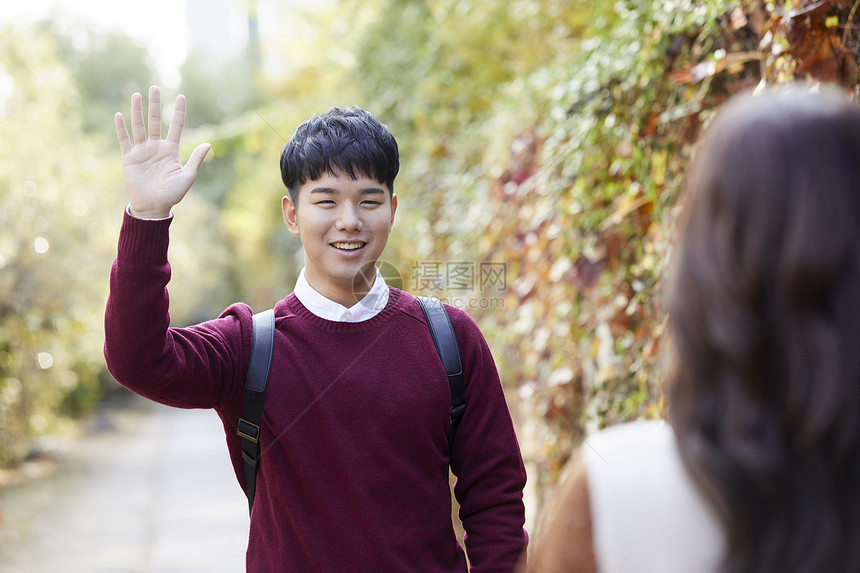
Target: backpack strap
(445, 341)
(259, 366)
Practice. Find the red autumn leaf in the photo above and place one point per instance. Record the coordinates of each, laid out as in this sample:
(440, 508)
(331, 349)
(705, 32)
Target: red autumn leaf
(820, 54)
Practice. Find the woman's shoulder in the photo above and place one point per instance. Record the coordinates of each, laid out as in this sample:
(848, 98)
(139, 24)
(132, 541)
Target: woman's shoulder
(643, 501)
(630, 437)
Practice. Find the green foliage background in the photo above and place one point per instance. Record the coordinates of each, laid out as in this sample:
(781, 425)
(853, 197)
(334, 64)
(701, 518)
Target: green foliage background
(547, 135)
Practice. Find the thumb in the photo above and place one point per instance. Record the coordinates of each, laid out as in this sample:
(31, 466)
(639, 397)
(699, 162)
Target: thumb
(197, 157)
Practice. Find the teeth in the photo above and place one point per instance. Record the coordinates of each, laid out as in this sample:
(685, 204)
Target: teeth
(347, 246)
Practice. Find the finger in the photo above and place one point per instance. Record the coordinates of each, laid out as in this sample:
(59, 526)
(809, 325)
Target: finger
(137, 128)
(174, 132)
(197, 157)
(122, 134)
(154, 113)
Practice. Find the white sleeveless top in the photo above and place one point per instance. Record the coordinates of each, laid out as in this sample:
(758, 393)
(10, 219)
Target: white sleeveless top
(647, 515)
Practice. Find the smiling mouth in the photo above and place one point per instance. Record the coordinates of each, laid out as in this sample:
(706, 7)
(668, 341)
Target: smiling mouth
(348, 246)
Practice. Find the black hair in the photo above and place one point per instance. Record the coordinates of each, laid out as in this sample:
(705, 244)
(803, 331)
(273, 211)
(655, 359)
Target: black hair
(765, 318)
(345, 140)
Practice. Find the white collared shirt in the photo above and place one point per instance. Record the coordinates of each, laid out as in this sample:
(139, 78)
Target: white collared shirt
(368, 307)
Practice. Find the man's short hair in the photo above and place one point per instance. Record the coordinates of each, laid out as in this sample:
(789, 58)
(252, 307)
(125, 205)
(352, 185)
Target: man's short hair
(345, 140)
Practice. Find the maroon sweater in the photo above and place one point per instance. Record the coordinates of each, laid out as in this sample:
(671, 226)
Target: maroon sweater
(354, 466)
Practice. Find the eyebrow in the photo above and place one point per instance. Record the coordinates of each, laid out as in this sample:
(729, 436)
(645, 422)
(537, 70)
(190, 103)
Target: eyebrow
(332, 191)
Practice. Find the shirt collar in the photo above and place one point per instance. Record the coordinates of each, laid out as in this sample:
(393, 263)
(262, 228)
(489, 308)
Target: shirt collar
(368, 307)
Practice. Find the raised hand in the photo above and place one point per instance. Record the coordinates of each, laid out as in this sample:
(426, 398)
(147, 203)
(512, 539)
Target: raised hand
(155, 178)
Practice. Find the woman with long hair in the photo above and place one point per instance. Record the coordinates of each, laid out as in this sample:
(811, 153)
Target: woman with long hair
(758, 466)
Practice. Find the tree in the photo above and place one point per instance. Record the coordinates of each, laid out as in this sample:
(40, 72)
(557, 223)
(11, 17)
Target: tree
(220, 90)
(107, 67)
(54, 254)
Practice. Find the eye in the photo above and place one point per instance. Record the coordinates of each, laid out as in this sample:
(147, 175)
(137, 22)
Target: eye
(325, 202)
(371, 202)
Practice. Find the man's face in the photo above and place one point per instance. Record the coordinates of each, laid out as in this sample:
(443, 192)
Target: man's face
(343, 225)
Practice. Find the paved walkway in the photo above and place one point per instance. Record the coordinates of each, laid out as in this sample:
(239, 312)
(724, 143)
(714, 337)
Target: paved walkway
(129, 500)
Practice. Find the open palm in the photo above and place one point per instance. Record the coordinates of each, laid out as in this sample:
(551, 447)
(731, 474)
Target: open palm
(155, 178)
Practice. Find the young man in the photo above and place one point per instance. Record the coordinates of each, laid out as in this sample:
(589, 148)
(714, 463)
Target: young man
(354, 463)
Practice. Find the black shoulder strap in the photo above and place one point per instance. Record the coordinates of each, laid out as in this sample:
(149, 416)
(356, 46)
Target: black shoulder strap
(446, 345)
(259, 366)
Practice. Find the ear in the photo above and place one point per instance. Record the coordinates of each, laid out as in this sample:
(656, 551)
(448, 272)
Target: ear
(393, 208)
(290, 218)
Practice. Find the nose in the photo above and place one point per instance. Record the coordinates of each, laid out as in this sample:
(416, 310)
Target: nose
(348, 219)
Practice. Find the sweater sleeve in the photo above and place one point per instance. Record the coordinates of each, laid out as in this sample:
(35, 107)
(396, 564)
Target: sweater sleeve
(200, 366)
(486, 459)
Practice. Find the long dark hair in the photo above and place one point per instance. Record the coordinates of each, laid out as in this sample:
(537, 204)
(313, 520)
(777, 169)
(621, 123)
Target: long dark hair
(764, 310)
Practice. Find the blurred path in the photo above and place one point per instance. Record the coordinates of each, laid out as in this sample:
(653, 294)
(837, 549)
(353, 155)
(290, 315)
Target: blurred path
(129, 500)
